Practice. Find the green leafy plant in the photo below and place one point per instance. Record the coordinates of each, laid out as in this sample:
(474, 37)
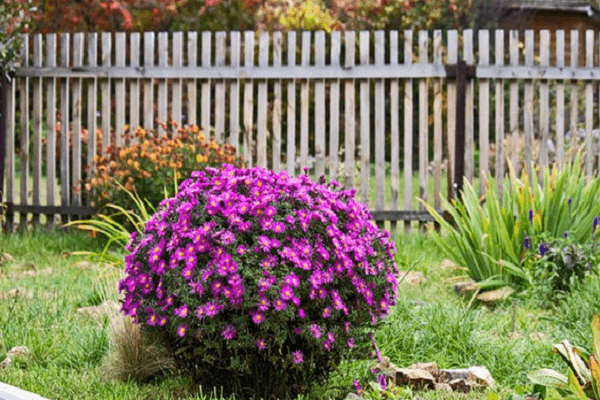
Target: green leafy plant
(489, 235)
(583, 379)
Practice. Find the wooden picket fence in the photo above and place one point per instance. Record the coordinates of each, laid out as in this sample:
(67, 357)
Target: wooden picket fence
(290, 101)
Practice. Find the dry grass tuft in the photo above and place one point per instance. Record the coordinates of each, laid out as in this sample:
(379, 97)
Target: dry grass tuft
(132, 356)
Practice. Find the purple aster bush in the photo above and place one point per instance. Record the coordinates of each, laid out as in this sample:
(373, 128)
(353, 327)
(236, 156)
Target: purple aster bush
(262, 283)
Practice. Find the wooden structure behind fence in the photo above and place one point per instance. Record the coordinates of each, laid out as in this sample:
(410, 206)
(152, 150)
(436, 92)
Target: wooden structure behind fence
(295, 100)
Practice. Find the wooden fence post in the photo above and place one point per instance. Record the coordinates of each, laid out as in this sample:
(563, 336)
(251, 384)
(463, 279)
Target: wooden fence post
(3, 126)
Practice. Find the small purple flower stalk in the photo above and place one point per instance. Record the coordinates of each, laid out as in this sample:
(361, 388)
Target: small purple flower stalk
(530, 215)
(542, 249)
(527, 244)
(357, 386)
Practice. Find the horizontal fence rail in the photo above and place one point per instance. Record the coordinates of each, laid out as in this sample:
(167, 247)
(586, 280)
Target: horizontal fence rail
(375, 110)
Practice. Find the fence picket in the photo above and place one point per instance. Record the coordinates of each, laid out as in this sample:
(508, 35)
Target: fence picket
(105, 88)
(544, 97)
(304, 103)
(451, 89)
(574, 99)
(589, 106)
(148, 84)
(277, 104)
(163, 55)
(291, 107)
(234, 93)
(349, 112)
(320, 106)
(10, 151)
(528, 117)
(394, 131)
(334, 108)
(514, 102)
(192, 62)
(248, 98)
(220, 88)
(424, 123)
(484, 113)
(560, 100)
(65, 198)
(261, 118)
(37, 127)
(134, 84)
(499, 114)
(205, 107)
(408, 127)
(92, 109)
(176, 83)
(437, 123)
(51, 127)
(469, 109)
(120, 43)
(24, 127)
(365, 121)
(379, 125)
(76, 185)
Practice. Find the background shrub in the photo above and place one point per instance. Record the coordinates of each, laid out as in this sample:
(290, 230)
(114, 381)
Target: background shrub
(152, 167)
(259, 282)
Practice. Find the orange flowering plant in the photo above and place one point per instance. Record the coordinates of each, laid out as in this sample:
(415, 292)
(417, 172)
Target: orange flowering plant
(152, 166)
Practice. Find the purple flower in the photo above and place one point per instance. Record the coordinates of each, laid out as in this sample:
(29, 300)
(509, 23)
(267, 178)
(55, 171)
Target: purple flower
(228, 333)
(261, 344)
(182, 311)
(595, 224)
(350, 342)
(286, 293)
(257, 318)
(315, 330)
(527, 244)
(542, 249)
(301, 313)
(297, 357)
(530, 215)
(357, 386)
(382, 380)
(181, 330)
(565, 234)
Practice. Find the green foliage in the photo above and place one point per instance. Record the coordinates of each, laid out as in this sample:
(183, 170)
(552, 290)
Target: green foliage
(583, 380)
(490, 236)
(14, 16)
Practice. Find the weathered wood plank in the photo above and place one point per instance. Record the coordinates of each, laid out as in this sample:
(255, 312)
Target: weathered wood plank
(499, 114)
(220, 88)
(528, 112)
(394, 131)
(262, 109)
(134, 84)
(484, 113)
(37, 127)
(205, 85)
(469, 109)
(163, 56)
(176, 83)
(10, 150)
(119, 92)
(424, 122)
(544, 98)
(234, 93)
(349, 112)
(574, 98)
(105, 88)
(365, 120)
(437, 123)
(452, 58)
(514, 102)
(590, 154)
(248, 98)
(76, 185)
(560, 100)
(304, 103)
(24, 126)
(408, 127)
(379, 110)
(51, 126)
(192, 62)
(320, 106)
(65, 178)
(291, 107)
(92, 107)
(334, 108)
(277, 56)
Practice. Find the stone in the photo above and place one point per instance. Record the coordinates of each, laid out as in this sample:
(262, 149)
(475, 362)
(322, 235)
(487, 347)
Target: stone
(465, 288)
(493, 296)
(412, 278)
(107, 308)
(443, 387)
(20, 351)
(417, 378)
(6, 257)
(481, 376)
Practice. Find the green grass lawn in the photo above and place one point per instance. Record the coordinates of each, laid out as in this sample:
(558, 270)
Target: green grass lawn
(430, 323)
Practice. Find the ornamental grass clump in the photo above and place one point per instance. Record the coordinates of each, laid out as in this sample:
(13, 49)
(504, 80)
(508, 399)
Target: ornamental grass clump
(260, 283)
